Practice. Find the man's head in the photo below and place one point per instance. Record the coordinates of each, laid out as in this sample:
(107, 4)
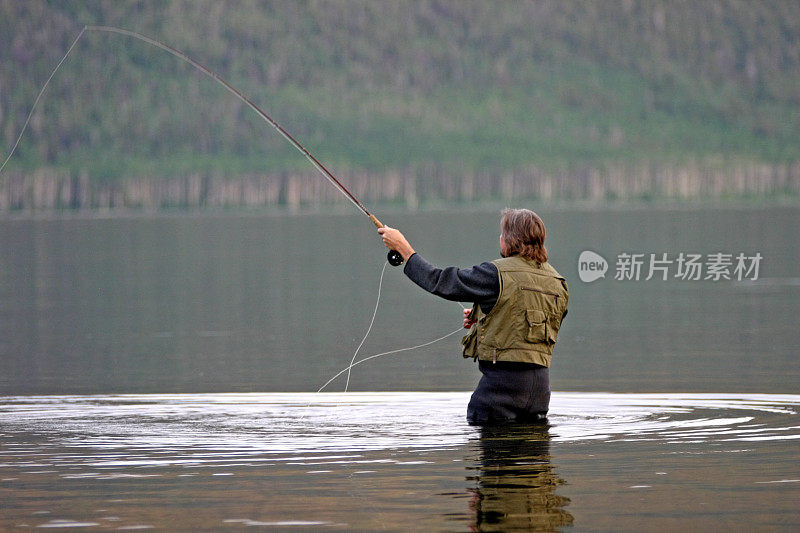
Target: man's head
(522, 233)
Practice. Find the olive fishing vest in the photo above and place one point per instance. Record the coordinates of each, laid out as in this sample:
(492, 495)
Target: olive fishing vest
(523, 325)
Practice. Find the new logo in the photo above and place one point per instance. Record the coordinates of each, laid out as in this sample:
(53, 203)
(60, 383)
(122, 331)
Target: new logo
(591, 266)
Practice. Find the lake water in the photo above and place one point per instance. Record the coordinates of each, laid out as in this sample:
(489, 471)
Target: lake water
(398, 461)
(160, 372)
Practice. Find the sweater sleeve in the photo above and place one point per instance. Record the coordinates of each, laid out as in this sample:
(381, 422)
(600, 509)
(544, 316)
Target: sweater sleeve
(479, 284)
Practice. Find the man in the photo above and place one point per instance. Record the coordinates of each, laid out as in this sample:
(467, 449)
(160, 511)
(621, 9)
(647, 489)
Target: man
(519, 303)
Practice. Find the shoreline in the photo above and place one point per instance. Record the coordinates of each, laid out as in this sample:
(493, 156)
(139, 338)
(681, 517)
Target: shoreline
(345, 209)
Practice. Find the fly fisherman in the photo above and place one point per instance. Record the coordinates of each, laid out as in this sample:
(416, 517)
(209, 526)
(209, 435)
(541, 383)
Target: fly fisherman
(519, 302)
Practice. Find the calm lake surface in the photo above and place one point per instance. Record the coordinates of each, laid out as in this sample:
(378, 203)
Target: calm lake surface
(398, 461)
(160, 372)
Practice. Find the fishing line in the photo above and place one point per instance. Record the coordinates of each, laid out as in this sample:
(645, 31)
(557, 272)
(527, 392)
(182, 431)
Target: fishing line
(39, 97)
(394, 257)
(353, 361)
(213, 75)
(388, 353)
(372, 321)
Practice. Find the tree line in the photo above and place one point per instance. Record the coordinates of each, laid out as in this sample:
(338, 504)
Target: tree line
(442, 91)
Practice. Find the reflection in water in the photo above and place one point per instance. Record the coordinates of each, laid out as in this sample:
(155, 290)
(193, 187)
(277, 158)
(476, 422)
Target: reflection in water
(230, 302)
(397, 461)
(515, 482)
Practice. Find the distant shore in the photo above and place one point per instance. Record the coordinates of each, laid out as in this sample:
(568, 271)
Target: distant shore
(45, 189)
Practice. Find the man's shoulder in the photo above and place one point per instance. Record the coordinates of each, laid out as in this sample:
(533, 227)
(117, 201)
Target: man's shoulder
(517, 263)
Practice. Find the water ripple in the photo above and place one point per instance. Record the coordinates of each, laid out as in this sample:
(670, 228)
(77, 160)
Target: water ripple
(223, 430)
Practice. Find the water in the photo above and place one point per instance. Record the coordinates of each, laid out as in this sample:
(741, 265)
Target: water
(241, 303)
(157, 372)
(398, 461)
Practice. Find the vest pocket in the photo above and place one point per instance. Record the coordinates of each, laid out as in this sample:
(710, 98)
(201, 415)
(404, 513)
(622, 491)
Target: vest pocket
(469, 344)
(537, 326)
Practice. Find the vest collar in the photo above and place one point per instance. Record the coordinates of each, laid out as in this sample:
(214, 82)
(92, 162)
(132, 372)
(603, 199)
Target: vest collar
(516, 262)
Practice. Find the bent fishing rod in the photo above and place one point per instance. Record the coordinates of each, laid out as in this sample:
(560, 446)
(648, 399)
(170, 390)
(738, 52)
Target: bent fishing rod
(394, 257)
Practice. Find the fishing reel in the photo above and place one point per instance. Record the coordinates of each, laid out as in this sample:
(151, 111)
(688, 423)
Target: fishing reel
(394, 258)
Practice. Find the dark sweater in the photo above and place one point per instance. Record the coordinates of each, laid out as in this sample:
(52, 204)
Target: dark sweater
(479, 284)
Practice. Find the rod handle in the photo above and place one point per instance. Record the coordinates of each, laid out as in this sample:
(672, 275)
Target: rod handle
(378, 223)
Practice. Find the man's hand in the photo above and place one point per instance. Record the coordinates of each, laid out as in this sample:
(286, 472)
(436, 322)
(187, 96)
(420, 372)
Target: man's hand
(468, 323)
(394, 240)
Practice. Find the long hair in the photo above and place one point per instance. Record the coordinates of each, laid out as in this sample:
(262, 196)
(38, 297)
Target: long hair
(523, 234)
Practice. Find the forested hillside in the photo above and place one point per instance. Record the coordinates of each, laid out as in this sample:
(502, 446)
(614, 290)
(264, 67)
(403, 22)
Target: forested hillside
(407, 101)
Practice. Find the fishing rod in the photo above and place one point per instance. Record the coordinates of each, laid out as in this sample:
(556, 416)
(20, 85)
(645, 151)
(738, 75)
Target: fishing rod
(394, 257)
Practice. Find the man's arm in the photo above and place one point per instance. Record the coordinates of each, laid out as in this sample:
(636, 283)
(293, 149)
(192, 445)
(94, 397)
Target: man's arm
(479, 284)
